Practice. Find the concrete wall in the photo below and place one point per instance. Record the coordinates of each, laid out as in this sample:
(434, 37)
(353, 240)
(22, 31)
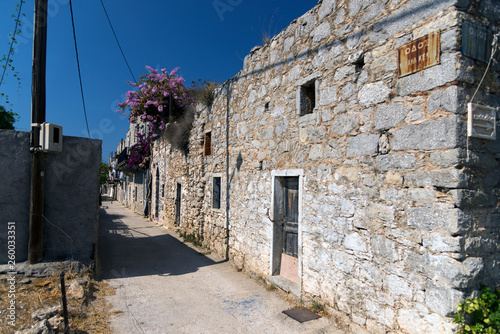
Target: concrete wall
(398, 210)
(15, 168)
(71, 196)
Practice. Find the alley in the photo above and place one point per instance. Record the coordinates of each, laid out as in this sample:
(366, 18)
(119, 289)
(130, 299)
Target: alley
(164, 286)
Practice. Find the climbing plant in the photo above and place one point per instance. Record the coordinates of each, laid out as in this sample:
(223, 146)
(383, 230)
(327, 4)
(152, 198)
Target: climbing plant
(6, 60)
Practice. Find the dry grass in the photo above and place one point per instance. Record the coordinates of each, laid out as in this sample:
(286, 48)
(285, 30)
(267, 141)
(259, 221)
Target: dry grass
(177, 134)
(87, 315)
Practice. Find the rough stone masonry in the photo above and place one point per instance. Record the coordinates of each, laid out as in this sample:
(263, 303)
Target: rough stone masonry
(396, 208)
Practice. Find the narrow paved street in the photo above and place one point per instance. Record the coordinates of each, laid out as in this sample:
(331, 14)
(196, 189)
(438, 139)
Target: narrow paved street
(164, 286)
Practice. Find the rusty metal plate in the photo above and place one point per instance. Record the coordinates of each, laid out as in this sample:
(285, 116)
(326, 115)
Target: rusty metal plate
(419, 54)
(476, 41)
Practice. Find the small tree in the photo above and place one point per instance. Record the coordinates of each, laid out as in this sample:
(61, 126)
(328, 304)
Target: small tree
(7, 119)
(104, 173)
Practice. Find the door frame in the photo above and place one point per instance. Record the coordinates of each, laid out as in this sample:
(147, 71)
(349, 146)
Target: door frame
(285, 284)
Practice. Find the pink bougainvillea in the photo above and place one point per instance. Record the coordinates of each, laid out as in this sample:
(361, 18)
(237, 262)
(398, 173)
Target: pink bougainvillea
(160, 97)
(141, 151)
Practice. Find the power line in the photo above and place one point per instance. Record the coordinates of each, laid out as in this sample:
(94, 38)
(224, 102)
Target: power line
(12, 42)
(78, 65)
(117, 42)
(494, 47)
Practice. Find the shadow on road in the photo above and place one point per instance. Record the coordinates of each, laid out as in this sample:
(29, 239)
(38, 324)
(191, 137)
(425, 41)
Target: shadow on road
(131, 246)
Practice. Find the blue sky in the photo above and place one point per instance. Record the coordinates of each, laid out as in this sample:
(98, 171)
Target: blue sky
(207, 39)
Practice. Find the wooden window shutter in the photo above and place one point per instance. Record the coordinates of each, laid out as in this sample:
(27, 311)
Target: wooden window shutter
(208, 144)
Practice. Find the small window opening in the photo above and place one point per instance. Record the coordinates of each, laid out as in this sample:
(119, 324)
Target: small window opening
(307, 98)
(357, 59)
(266, 107)
(358, 66)
(163, 190)
(216, 193)
(207, 149)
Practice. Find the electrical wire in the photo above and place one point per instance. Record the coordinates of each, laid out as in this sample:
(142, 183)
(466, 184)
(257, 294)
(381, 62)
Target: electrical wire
(117, 42)
(12, 43)
(494, 47)
(78, 65)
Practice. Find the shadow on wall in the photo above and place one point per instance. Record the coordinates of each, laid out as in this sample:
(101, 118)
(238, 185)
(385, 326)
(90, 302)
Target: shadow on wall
(126, 252)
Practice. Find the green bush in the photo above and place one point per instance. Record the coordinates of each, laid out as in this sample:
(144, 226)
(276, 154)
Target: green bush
(480, 315)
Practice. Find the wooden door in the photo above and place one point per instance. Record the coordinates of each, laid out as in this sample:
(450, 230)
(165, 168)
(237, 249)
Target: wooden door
(291, 216)
(178, 204)
(157, 194)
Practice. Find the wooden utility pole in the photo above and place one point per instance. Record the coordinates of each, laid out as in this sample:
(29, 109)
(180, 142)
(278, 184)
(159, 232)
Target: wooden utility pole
(35, 247)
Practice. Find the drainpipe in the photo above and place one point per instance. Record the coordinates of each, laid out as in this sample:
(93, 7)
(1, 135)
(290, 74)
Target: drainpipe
(228, 186)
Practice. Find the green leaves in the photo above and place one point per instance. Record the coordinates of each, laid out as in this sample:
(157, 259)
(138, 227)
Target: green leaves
(479, 315)
(7, 119)
(104, 173)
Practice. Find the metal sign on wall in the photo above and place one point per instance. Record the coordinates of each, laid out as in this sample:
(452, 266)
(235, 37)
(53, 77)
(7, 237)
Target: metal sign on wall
(481, 122)
(476, 41)
(419, 54)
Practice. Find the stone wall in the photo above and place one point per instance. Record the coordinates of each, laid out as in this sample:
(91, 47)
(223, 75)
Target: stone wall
(132, 190)
(71, 196)
(192, 171)
(398, 217)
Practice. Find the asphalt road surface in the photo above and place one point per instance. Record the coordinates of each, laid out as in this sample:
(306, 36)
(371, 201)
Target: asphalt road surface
(165, 286)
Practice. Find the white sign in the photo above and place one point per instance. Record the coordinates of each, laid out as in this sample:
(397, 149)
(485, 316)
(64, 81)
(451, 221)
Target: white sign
(482, 122)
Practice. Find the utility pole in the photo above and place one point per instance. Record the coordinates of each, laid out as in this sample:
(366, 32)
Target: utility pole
(35, 246)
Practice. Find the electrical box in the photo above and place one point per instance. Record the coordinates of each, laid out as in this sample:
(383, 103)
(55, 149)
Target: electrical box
(51, 137)
(482, 122)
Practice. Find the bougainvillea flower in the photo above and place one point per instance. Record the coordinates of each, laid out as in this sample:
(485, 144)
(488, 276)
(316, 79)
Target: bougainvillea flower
(153, 90)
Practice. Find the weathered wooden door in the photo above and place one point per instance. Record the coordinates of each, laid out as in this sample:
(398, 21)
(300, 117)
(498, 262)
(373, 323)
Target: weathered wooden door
(157, 194)
(178, 204)
(291, 216)
(286, 228)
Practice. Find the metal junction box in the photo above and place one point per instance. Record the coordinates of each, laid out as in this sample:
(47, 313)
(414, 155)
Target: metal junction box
(481, 122)
(51, 137)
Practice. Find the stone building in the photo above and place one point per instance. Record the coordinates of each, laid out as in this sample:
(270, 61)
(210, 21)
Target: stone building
(327, 169)
(130, 183)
